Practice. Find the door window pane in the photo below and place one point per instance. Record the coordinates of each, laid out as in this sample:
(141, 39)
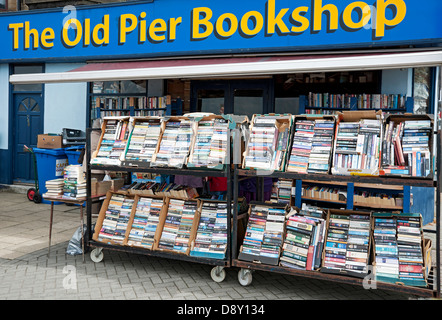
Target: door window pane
(248, 102)
(211, 101)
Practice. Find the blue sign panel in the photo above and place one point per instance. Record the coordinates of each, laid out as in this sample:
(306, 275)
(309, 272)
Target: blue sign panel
(177, 27)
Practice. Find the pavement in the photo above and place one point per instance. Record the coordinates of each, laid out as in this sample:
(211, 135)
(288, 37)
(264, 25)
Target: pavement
(27, 273)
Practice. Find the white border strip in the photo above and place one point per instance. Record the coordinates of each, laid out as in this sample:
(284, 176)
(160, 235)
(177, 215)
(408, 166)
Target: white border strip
(349, 63)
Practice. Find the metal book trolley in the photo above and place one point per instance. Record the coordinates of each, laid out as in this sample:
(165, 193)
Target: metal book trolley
(245, 274)
(217, 273)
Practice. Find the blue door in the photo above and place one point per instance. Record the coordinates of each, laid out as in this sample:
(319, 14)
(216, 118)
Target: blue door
(28, 124)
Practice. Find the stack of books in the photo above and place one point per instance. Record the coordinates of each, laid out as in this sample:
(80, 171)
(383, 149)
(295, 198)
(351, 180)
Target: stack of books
(74, 182)
(336, 243)
(54, 188)
(322, 146)
(210, 148)
(284, 188)
(178, 225)
(264, 235)
(175, 144)
(211, 235)
(167, 144)
(145, 222)
(219, 143)
(303, 242)
(302, 146)
(123, 220)
(358, 244)
(357, 147)
(386, 249)
(262, 144)
(409, 240)
(416, 146)
(116, 218)
(143, 140)
(201, 149)
(310, 210)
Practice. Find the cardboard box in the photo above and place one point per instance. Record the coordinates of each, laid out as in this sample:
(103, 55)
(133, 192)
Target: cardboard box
(49, 141)
(102, 215)
(261, 259)
(398, 118)
(131, 220)
(283, 122)
(311, 118)
(220, 166)
(137, 163)
(356, 116)
(153, 162)
(162, 221)
(426, 254)
(343, 271)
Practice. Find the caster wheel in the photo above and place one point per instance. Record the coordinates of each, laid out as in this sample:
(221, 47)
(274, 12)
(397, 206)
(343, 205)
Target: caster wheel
(30, 194)
(97, 255)
(37, 198)
(245, 277)
(218, 274)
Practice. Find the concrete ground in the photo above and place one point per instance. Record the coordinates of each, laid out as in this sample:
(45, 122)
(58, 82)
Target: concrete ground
(27, 273)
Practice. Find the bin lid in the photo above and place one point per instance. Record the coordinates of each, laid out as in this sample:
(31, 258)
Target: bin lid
(54, 152)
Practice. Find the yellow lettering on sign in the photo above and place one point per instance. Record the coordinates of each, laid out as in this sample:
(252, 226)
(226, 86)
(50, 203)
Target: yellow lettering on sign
(104, 28)
(78, 35)
(47, 36)
(296, 16)
(366, 13)
(276, 19)
(28, 33)
(318, 11)
(173, 23)
(157, 26)
(233, 25)
(259, 23)
(381, 20)
(125, 28)
(197, 22)
(15, 27)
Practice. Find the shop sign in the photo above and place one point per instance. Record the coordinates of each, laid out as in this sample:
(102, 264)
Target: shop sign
(177, 27)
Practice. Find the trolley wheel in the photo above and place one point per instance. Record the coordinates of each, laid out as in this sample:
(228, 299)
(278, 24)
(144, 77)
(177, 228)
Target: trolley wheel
(31, 193)
(218, 274)
(245, 277)
(37, 197)
(97, 255)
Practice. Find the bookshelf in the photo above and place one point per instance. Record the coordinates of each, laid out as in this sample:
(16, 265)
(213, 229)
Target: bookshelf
(128, 98)
(329, 103)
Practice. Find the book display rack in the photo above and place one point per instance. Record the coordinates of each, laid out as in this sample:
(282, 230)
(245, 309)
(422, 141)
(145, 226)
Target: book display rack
(288, 237)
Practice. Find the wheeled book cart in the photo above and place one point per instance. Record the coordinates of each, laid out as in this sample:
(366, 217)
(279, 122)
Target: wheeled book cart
(245, 274)
(217, 273)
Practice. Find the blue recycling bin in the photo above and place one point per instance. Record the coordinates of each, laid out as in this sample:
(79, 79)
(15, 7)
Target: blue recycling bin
(73, 153)
(50, 165)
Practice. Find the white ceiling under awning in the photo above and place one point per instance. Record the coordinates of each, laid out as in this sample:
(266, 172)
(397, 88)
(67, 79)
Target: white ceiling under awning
(234, 67)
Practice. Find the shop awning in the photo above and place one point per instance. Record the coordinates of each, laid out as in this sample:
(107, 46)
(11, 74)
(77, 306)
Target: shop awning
(192, 68)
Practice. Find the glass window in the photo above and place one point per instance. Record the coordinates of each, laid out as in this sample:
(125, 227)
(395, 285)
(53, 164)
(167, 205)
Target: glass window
(248, 102)
(421, 94)
(23, 69)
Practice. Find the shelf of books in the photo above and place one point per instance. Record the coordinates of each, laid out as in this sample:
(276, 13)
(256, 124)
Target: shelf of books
(329, 103)
(367, 236)
(164, 219)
